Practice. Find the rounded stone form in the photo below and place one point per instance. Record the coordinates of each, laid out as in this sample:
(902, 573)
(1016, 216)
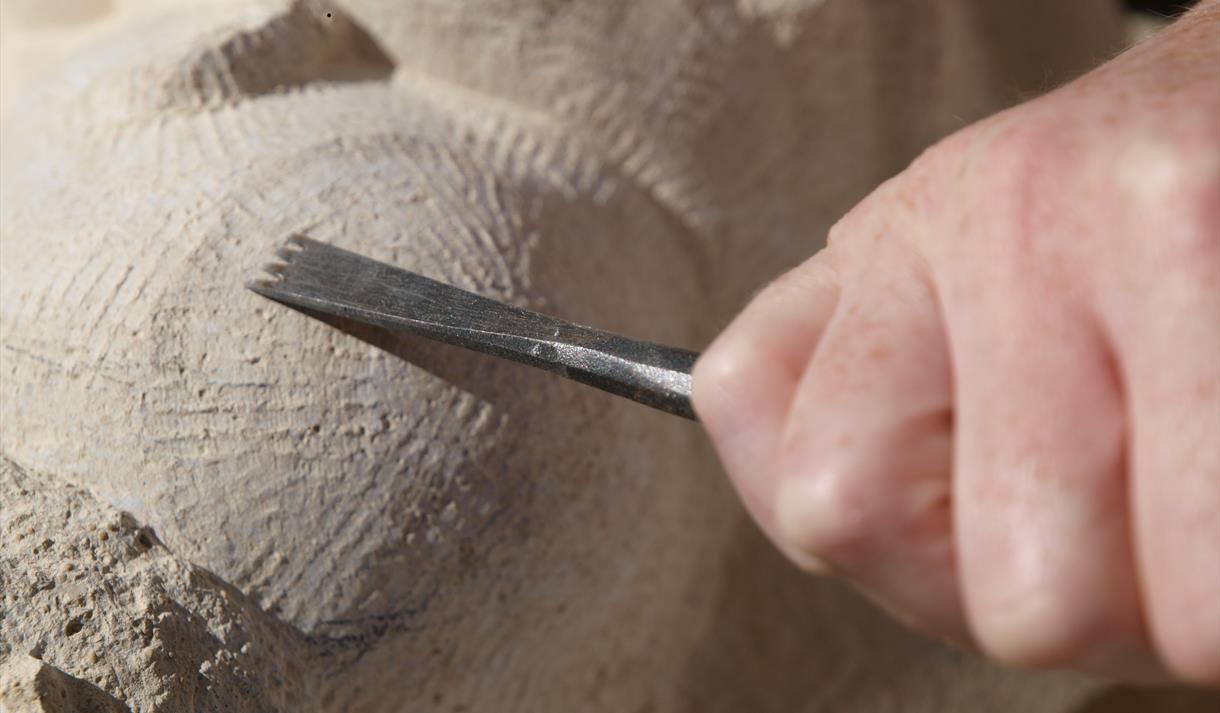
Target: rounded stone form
(394, 524)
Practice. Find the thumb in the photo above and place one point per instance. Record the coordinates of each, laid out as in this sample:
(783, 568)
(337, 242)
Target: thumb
(743, 385)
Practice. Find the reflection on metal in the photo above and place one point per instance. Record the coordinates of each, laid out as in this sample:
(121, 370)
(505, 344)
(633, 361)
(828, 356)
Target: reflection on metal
(322, 278)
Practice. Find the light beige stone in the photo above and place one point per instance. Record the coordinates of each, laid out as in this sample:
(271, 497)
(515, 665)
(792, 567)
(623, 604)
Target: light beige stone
(366, 522)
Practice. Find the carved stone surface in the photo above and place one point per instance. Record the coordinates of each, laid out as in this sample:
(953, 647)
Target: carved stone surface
(393, 525)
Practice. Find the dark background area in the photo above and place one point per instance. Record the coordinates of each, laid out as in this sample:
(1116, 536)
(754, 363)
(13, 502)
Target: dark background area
(1161, 7)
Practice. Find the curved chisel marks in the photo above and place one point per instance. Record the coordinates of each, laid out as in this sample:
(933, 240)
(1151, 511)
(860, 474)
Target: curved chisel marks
(305, 43)
(406, 526)
(218, 54)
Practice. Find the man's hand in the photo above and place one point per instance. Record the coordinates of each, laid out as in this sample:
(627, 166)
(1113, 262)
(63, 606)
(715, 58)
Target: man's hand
(993, 402)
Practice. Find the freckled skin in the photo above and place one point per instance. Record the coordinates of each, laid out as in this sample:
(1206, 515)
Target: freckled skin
(1001, 419)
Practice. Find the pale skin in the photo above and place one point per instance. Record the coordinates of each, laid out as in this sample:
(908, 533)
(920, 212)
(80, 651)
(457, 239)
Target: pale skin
(992, 403)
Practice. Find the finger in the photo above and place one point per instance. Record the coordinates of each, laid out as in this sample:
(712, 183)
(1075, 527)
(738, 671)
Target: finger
(743, 383)
(1041, 508)
(866, 451)
(1172, 365)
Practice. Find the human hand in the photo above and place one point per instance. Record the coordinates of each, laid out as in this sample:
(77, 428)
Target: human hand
(993, 401)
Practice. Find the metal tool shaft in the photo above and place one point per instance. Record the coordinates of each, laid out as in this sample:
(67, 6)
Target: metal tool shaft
(317, 276)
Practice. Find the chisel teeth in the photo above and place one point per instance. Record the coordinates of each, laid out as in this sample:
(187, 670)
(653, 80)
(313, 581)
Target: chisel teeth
(292, 248)
(273, 279)
(275, 270)
(285, 272)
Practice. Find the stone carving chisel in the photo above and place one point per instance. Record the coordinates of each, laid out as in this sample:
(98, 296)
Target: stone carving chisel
(315, 276)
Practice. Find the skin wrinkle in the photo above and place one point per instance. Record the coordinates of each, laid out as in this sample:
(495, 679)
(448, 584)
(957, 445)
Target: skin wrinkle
(422, 527)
